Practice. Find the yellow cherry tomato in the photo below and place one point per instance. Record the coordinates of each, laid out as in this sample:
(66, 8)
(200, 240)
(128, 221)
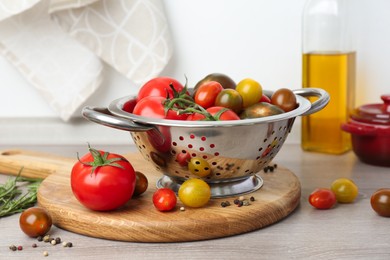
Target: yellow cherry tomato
(194, 193)
(250, 91)
(199, 167)
(345, 189)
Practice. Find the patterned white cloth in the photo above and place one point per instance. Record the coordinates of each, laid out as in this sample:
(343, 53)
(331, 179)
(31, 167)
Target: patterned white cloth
(59, 45)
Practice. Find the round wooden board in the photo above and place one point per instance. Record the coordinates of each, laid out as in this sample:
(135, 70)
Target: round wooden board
(139, 221)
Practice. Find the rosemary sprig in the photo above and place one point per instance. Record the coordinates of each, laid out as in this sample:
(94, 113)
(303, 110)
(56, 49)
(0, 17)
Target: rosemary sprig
(12, 198)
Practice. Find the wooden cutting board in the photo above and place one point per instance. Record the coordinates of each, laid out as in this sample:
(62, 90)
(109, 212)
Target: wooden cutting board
(139, 221)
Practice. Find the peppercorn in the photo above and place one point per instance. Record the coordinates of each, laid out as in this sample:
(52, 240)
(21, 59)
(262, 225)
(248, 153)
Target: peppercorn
(58, 240)
(227, 203)
(53, 242)
(46, 238)
(252, 198)
(39, 238)
(245, 202)
(34, 245)
(45, 253)
(236, 201)
(275, 166)
(240, 203)
(69, 244)
(20, 248)
(13, 248)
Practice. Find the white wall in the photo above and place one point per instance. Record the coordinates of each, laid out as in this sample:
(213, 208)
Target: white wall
(260, 39)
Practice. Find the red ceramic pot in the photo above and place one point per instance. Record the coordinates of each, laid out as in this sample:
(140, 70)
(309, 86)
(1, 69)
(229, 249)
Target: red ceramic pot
(369, 126)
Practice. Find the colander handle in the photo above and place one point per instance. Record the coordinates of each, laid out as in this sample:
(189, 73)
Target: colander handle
(102, 116)
(320, 103)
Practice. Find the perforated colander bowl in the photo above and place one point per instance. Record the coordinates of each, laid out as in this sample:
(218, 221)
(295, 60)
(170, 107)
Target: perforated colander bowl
(235, 151)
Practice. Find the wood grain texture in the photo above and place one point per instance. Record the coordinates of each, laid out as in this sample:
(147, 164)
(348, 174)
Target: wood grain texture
(139, 221)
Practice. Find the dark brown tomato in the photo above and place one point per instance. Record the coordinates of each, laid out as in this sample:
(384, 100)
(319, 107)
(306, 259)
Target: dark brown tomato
(223, 79)
(141, 183)
(285, 99)
(35, 221)
(261, 109)
(380, 202)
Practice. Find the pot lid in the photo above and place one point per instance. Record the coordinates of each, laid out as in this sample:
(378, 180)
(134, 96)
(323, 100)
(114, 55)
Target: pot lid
(374, 113)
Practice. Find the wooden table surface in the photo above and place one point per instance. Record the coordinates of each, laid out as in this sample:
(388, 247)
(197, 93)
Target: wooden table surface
(348, 231)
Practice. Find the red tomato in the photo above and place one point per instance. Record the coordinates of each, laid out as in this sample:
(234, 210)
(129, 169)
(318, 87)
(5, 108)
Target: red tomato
(207, 93)
(183, 158)
(164, 199)
(102, 181)
(214, 111)
(35, 221)
(154, 107)
(322, 198)
(159, 87)
(264, 98)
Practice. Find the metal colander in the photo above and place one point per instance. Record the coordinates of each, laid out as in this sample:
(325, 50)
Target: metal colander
(235, 151)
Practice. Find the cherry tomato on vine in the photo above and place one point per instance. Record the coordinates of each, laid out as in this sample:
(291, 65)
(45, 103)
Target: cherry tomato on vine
(216, 112)
(154, 107)
(250, 91)
(35, 221)
(199, 166)
(194, 193)
(380, 202)
(285, 99)
(229, 98)
(159, 87)
(322, 198)
(206, 94)
(164, 199)
(102, 181)
(345, 190)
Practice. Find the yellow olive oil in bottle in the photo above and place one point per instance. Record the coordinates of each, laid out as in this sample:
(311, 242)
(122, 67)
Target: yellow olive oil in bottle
(329, 63)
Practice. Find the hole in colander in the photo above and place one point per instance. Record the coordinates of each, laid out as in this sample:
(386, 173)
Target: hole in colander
(214, 163)
(197, 162)
(201, 148)
(203, 138)
(193, 154)
(190, 146)
(204, 156)
(218, 174)
(192, 136)
(181, 138)
(174, 143)
(265, 140)
(216, 153)
(212, 145)
(261, 148)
